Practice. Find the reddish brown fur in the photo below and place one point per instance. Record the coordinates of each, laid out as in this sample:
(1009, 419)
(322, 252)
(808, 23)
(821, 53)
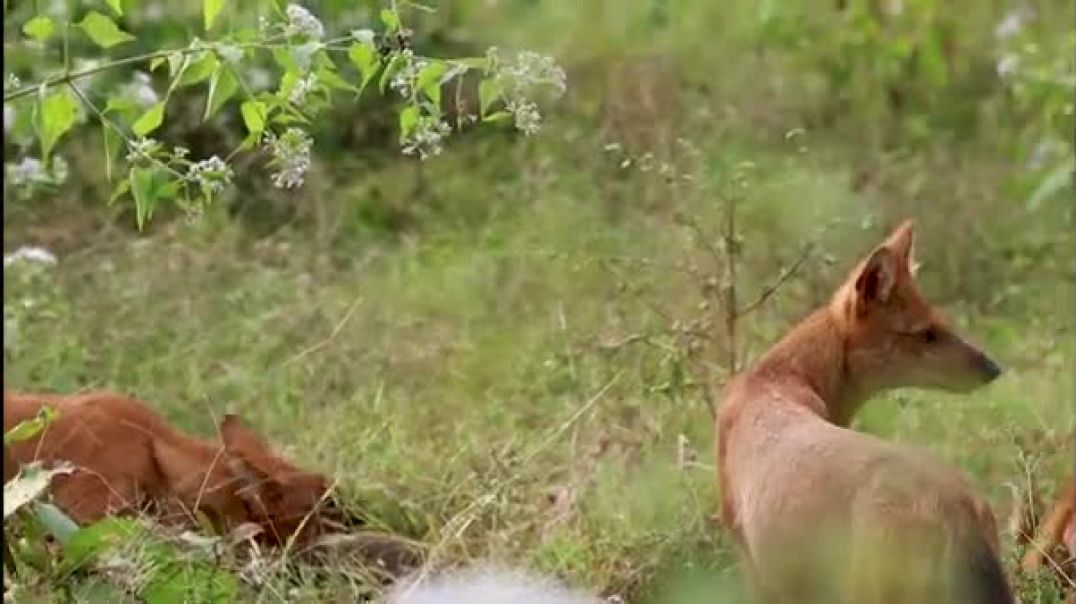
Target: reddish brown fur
(1057, 536)
(128, 460)
(787, 464)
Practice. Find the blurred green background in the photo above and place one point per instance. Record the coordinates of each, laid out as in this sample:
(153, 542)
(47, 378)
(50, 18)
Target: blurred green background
(429, 332)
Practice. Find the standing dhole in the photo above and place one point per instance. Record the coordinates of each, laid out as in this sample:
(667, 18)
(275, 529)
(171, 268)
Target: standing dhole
(128, 459)
(822, 513)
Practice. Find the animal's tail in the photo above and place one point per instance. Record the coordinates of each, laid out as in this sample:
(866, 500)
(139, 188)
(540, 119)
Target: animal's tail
(983, 578)
(486, 585)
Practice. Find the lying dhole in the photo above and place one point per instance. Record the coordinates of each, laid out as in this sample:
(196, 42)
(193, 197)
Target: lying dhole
(129, 460)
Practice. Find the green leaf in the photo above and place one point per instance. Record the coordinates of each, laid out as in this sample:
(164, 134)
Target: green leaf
(222, 87)
(103, 31)
(390, 19)
(429, 80)
(94, 539)
(59, 524)
(178, 581)
(150, 120)
(157, 62)
(497, 116)
(408, 120)
(332, 79)
(1054, 182)
(56, 115)
(365, 59)
(39, 28)
(210, 10)
(488, 92)
(147, 187)
(122, 187)
(31, 481)
(116, 5)
(29, 428)
(199, 70)
(254, 116)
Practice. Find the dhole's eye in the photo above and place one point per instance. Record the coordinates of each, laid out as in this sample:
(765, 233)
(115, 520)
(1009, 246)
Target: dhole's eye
(929, 335)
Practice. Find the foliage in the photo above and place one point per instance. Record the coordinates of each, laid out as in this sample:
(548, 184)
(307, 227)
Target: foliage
(312, 76)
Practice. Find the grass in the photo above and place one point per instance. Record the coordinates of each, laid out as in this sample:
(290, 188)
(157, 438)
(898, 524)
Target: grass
(462, 385)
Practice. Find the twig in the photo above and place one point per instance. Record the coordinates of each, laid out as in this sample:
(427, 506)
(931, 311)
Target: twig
(772, 288)
(465, 517)
(328, 340)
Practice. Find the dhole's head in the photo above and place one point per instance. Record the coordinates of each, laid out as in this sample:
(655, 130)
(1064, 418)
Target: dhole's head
(279, 497)
(893, 337)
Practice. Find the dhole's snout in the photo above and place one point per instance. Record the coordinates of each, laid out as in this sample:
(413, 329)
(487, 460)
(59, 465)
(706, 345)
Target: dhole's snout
(989, 369)
(979, 369)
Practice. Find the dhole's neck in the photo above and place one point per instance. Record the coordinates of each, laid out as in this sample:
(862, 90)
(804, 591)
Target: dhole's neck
(812, 356)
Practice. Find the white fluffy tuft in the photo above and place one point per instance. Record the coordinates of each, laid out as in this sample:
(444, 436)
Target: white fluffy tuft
(487, 585)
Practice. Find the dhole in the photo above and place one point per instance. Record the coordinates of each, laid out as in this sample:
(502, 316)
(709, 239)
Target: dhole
(818, 509)
(129, 460)
(1056, 530)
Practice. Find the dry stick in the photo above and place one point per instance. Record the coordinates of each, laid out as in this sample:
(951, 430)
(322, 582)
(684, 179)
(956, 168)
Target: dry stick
(771, 289)
(332, 336)
(464, 518)
(731, 314)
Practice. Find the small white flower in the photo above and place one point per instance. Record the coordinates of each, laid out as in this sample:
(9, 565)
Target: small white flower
(259, 78)
(9, 118)
(140, 90)
(29, 254)
(290, 157)
(28, 171)
(527, 117)
(426, 138)
(12, 82)
(1007, 65)
(180, 152)
(142, 148)
(302, 87)
(404, 79)
(230, 53)
(366, 36)
(60, 170)
(1011, 24)
(154, 12)
(303, 22)
(57, 9)
(211, 174)
(304, 54)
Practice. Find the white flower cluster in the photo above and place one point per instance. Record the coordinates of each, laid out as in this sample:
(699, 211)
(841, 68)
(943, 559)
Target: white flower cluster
(1012, 23)
(32, 171)
(303, 22)
(140, 90)
(30, 255)
(404, 80)
(290, 157)
(527, 72)
(142, 148)
(426, 138)
(520, 78)
(211, 174)
(302, 87)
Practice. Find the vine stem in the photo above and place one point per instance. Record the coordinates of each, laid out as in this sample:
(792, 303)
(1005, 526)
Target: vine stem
(68, 77)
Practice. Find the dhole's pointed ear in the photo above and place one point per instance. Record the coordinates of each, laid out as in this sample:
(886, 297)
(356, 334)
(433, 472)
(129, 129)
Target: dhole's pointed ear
(253, 481)
(901, 241)
(876, 278)
(238, 438)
